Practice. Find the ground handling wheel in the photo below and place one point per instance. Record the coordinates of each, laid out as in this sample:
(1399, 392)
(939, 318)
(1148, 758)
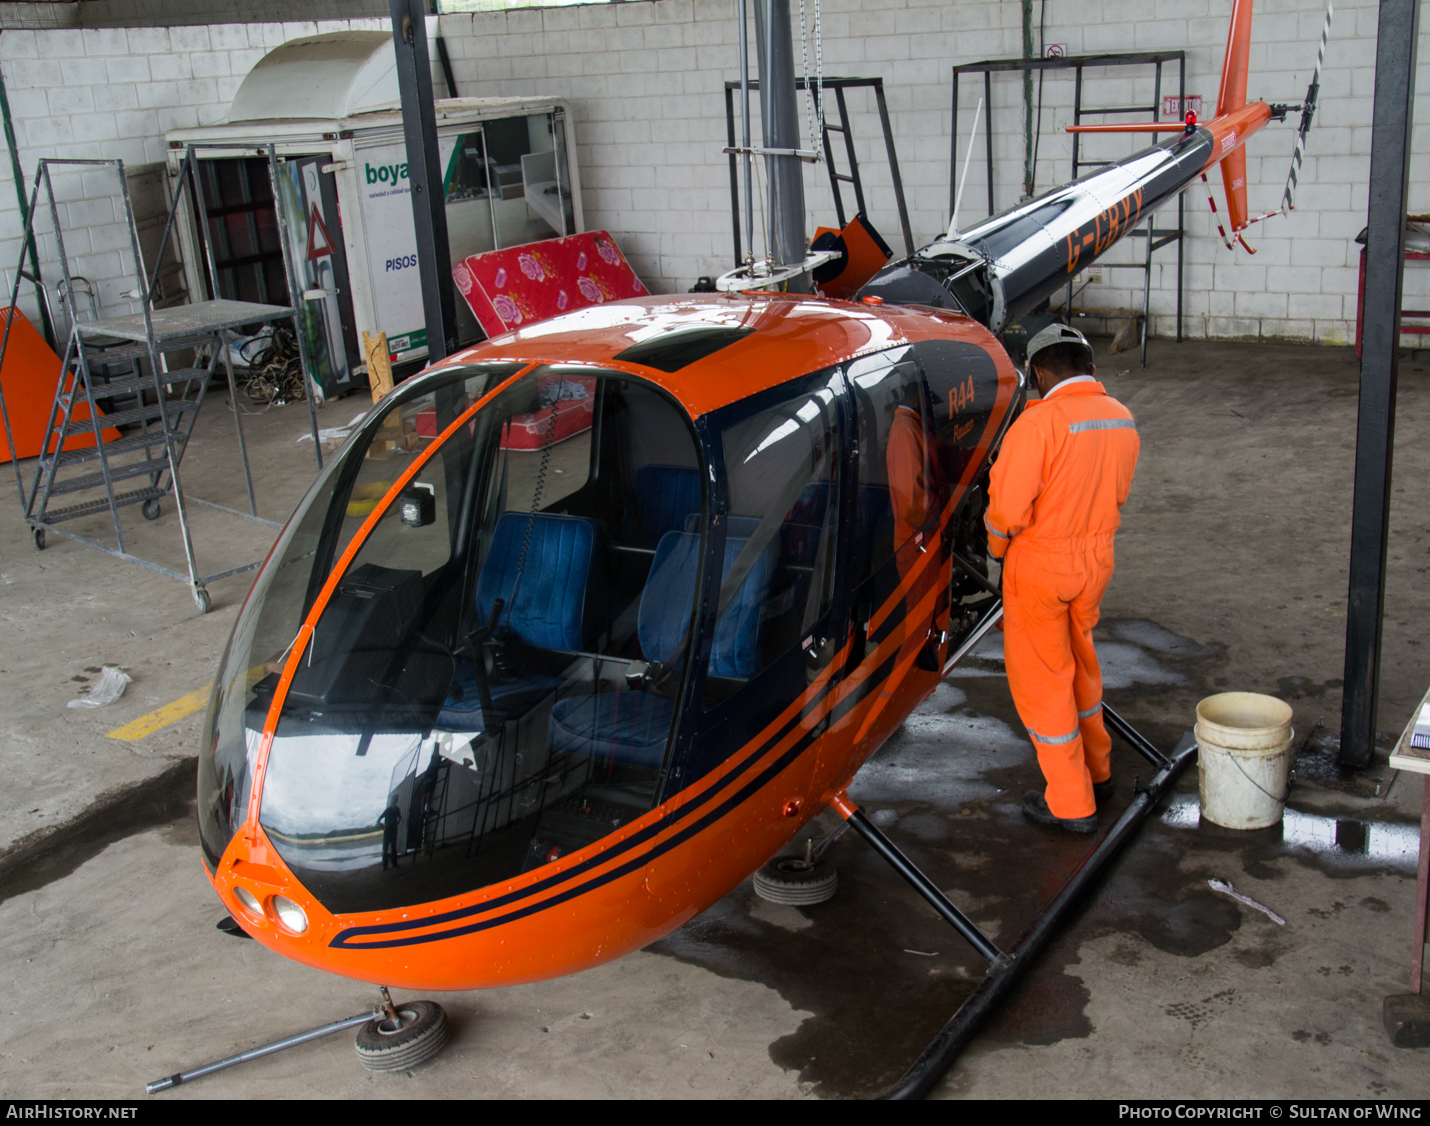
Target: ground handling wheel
(796, 881)
(38, 536)
(202, 600)
(419, 1033)
(151, 509)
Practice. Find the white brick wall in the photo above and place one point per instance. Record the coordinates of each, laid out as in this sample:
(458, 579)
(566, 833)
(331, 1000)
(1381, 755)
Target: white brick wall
(646, 79)
(647, 84)
(113, 93)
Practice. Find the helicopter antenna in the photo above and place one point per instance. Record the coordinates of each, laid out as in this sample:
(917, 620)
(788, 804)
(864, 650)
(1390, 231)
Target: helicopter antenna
(967, 163)
(1308, 111)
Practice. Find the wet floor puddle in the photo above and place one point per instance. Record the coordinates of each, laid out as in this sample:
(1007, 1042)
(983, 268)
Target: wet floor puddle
(1339, 841)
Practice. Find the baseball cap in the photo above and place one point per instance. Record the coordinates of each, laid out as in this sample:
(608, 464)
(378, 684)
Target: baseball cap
(1057, 334)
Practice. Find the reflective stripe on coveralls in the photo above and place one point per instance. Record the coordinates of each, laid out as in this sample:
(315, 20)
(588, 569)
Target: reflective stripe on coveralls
(1055, 739)
(1102, 424)
(1055, 497)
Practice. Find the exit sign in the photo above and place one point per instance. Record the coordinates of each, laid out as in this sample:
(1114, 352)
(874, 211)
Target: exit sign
(1172, 106)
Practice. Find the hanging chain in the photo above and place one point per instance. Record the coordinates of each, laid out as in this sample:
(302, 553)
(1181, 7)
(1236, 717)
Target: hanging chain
(808, 88)
(813, 91)
(819, 75)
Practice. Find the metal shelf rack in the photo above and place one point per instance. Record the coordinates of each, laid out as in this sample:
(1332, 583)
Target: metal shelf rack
(125, 361)
(1156, 237)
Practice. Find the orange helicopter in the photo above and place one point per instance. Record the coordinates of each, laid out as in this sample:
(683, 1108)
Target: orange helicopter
(494, 714)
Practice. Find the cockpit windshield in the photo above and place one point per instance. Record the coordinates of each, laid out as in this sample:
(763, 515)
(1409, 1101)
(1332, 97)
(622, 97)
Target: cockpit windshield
(494, 680)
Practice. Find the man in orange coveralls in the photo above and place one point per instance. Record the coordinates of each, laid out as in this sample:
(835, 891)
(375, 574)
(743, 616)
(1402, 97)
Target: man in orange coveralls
(1055, 501)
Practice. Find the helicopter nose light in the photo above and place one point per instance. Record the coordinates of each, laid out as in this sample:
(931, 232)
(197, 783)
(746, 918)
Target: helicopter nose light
(248, 900)
(290, 915)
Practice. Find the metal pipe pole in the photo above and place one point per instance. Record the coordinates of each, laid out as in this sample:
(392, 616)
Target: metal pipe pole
(258, 1053)
(18, 175)
(779, 111)
(424, 169)
(1380, 364)
(901, 864)
(745, 126)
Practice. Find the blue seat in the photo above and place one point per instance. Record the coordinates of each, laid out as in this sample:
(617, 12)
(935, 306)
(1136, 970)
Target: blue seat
(665, 496)
(631, 726)
(548, 610)
(510, 698)
(625, 727)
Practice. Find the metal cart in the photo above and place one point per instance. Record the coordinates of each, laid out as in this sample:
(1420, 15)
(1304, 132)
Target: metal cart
(125, 361)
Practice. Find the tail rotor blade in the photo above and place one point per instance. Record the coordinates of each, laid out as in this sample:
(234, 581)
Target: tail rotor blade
(1308, 111)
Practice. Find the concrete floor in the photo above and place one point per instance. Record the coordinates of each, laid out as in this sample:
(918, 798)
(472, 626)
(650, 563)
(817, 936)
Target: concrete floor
(1231, 573)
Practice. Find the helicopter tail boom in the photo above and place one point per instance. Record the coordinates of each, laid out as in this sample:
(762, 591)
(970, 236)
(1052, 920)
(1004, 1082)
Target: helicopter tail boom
(1235, 120)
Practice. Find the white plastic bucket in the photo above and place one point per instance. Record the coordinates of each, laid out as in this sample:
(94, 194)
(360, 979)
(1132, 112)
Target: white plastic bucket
(1243, 758)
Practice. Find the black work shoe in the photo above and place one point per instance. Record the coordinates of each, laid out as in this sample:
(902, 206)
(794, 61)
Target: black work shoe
(1035, 806)
(1101, 791)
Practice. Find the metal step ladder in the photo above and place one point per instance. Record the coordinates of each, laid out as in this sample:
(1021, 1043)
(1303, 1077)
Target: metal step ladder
(853, 177)
(124, 362)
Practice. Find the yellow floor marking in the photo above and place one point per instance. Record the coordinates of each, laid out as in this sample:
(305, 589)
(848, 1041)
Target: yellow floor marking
(146, 725)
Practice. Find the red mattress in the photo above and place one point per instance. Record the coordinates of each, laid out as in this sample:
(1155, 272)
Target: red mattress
(573, 414)
(521, 285)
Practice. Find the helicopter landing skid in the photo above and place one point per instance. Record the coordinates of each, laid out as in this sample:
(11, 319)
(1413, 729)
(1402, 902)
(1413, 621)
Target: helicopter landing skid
(1006, 965)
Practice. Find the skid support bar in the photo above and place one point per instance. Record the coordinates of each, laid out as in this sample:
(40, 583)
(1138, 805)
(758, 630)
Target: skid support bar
(929, 1068)
(261, 1051)
(917, 880)
(990, 619)
(1135, 738)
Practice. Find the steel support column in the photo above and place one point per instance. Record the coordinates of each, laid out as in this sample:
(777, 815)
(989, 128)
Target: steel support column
(779, 115)
(424, 170)
(1375, 424)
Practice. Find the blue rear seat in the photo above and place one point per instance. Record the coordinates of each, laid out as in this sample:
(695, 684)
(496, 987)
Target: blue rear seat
(632, 726)
(665, 496)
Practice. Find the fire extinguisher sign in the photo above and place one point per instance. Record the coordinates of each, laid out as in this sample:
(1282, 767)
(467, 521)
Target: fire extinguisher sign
(1172, 106)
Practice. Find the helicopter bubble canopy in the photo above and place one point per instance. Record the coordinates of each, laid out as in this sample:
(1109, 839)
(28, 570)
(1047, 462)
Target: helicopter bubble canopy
(493, 680)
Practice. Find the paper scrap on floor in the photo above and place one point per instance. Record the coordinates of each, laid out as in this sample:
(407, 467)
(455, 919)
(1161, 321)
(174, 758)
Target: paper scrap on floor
(1227, 889)
(108, 688)
(335, 433)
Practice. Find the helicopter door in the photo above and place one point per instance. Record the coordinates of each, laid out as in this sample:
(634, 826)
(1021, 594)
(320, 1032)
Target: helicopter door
(899, 492)
(776, 622)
